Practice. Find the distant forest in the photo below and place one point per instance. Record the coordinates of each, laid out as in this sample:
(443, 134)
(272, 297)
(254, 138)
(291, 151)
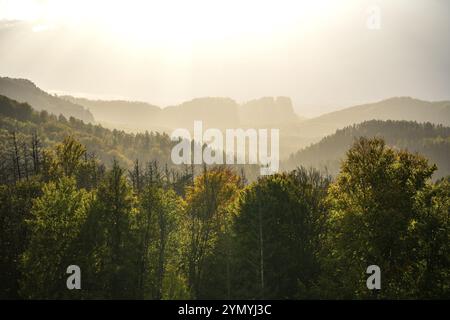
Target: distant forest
(432, 141)
(296, 132)
(110, 202)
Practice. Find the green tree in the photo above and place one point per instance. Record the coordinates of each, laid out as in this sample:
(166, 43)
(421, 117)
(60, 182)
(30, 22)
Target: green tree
(159, 226)
(57, 218)
(372, 209)
(277, 236)
(110, 238)
(207, 215)
(15, 208)
(430, 230)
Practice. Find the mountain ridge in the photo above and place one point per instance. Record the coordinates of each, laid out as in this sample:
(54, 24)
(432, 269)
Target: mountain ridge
(431, 140)
(24, 90)
(394, 108)
(224, 112)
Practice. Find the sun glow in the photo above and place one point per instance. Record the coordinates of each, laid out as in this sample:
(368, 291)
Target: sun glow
(172, 22)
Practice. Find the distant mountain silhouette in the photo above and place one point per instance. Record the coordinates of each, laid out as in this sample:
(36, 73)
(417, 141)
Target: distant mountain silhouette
(215, 112)
(400, 108)
(222, 112)
(132, 113)
(24, 90)
(268, 111)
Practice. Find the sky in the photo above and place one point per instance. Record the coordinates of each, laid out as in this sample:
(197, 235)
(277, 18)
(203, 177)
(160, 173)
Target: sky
(324, 54)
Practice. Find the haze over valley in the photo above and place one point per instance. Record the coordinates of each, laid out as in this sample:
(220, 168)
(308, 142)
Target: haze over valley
(225, 150)
(322, 54)
(299, 136)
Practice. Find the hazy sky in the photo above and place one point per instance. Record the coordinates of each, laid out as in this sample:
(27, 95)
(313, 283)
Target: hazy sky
(324, 54)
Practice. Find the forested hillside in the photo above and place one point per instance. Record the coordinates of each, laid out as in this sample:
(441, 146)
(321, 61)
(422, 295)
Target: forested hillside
(24, 90)
(72, 194)
(399, 108)
(21, 119)
(22, 128)
(248, 155)
(145, 234)
(432, 141)
(269, 112)
(296, 132)
(147, 231)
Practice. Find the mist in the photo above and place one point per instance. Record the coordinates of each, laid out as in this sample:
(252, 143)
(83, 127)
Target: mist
(323, 56)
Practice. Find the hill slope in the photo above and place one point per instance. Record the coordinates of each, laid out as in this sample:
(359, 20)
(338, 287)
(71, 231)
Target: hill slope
(24, 90)
(135, 114)
(432, 141)
(403, 108)
(215, 112)
(224, 113)
(106, 144)
(268, 112)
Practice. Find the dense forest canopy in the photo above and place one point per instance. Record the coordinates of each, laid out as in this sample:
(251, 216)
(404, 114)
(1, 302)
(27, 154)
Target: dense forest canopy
(241, 151)
(143, 230)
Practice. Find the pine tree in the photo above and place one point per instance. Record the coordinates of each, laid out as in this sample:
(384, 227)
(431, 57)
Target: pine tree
(110, 237)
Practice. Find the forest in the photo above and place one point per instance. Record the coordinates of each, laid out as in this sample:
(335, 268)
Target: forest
(139, 228)
(428, 139)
